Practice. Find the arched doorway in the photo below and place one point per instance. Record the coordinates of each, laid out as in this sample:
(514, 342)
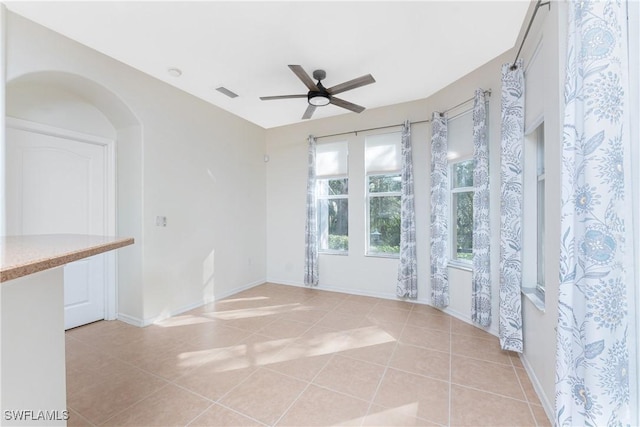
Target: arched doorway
(61, 135)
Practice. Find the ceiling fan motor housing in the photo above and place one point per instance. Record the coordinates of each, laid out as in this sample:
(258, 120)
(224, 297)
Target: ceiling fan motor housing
(318, 97)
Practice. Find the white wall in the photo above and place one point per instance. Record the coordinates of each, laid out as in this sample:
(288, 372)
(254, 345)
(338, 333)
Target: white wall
(179, 157)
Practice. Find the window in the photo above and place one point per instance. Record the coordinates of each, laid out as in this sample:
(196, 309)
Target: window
(333, 215)
(461, 166)
(332, 193)
(384, 214)
(382, 166)
(540, 191)
(462, 211)
(533, 265)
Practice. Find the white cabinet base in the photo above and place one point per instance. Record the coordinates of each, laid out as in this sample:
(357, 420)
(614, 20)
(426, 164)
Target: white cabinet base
(33, 350)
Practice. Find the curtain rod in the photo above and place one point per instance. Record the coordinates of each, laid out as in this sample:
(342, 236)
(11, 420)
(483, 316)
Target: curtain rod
(526, 33)
(486, 92)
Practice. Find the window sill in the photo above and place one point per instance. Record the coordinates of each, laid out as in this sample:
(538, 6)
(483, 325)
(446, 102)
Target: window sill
(339, 253)
(466, 266)
(373, 255)
(534, 296)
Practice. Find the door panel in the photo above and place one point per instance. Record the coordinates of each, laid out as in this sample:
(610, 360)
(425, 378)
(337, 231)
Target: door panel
(58, 185)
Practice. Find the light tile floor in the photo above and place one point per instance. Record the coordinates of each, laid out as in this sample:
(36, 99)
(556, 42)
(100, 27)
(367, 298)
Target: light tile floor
(287, 356)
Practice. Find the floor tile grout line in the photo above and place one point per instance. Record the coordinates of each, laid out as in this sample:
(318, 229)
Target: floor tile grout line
(386, 369)
(201, 413)
(85, 419)
(228, 408)
(222, 396)
(492, 393)
(133, 404)
(194, 392)
(466, 356)
(284, 413)
(524, 393)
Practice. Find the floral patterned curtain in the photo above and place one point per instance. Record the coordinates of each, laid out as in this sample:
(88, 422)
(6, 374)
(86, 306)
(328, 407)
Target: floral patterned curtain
(594, 325)
(481, 279)
(439, 212)
(407, 269)
(311, 224)
(512, 134)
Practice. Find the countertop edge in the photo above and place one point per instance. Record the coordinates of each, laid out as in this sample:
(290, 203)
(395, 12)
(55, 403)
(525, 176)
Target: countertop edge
(36, 266)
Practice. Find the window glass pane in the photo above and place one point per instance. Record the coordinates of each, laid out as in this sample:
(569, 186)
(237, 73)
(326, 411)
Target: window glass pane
(540, 149)
(384, 224)
(463, 174)
(463, 208)
(333, 224)
(385, 183)
(333, 187)
(540, 213)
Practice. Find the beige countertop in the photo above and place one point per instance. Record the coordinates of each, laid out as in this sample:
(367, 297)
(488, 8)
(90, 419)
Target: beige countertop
(24, 255)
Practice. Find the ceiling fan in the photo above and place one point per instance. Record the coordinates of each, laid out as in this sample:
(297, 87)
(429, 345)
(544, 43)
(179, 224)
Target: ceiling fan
(319, 96)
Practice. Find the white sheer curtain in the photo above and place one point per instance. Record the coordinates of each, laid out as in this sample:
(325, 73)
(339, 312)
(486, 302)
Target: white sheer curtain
(595, 327)
(439, 212)
(311, 223)
(407, 268)
(481, 279)
(512, 140)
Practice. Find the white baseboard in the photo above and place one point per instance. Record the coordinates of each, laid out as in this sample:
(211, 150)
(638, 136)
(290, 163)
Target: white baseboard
(236, 290)
(339, 289)
(544, 399)
(390, 296)
(493, 329)
(131, 320)
(134, 321)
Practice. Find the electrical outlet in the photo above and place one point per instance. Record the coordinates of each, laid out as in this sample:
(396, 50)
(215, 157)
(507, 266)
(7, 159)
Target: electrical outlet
(161, 221)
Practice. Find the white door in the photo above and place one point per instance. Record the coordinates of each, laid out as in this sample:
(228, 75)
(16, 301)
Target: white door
(58, 184)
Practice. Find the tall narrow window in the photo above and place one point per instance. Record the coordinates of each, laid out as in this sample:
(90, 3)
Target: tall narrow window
(462, 211)
(382, 165)
(540, 191)
(533, 265)
(333, 197)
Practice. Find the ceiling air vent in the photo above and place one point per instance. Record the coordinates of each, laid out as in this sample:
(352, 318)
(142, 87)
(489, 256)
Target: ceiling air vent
(227, 92)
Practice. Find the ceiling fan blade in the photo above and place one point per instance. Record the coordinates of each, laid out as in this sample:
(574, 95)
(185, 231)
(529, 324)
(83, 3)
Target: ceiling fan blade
(269, 98)
(351, 84)
(307, 114)
(302, 75)
(346, 104)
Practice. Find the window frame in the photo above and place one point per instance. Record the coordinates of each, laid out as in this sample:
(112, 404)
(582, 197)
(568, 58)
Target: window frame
(326, 198)
(454, 261)
(540, 212)
(533, 262)
(368, 196)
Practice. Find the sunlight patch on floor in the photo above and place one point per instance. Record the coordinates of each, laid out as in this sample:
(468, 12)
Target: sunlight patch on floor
(252, 312)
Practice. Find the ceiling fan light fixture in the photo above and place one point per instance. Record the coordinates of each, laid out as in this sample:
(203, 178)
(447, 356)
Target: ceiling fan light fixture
(318, 99)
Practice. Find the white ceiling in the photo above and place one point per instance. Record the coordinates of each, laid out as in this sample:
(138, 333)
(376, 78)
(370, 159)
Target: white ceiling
(412, 49)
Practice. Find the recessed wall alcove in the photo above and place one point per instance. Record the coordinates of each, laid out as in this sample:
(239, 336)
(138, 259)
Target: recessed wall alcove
(73, 103)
